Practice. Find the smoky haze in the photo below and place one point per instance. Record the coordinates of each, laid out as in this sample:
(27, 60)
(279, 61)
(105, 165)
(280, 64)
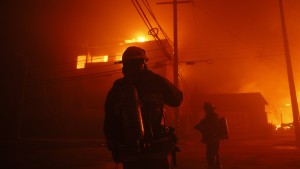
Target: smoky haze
(242, 39)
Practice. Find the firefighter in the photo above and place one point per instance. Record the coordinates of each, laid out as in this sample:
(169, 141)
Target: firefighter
(155, 142)
(209, 128)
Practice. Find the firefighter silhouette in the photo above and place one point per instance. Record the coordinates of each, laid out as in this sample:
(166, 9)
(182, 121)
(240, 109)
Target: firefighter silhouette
(213, 129)
(134, 112)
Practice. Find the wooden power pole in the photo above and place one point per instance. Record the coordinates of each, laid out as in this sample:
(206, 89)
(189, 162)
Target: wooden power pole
(175, 53)
(289, 68)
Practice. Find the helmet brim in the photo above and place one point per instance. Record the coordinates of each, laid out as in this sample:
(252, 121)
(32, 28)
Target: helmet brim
(146, 59)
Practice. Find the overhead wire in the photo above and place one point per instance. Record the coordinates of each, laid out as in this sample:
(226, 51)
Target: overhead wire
(72, 68)
(142, 13)
(278, 43)
(73, 77)
(46, 80)
(154, 18)
(150, 27)
(152, 30)
(226, 30)
(248, 45)
(91, 75)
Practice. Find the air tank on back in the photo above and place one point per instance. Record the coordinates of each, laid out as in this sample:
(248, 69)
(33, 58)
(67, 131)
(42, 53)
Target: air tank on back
(131, 113)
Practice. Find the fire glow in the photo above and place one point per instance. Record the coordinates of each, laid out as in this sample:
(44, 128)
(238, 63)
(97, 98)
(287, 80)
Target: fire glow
(83, 59)
(88, 58)
(138, 39)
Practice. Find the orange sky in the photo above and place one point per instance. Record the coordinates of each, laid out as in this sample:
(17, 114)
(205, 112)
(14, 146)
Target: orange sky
(242, 37)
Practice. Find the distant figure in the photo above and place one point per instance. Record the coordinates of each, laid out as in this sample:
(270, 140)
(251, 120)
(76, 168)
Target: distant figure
(213, 129)
(134, 114)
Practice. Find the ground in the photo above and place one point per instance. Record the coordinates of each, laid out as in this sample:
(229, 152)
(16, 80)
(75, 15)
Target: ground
(276, 152)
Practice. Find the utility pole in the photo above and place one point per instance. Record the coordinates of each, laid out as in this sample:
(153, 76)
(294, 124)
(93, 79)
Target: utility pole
(175, 32)
(175, 53)
(290, 75)
(175, 61)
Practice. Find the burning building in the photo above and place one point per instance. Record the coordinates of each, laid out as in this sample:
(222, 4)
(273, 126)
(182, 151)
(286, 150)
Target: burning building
(71, 103)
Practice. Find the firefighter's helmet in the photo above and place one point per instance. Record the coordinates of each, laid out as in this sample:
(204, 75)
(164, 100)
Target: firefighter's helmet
(133, 53)
(208, 106)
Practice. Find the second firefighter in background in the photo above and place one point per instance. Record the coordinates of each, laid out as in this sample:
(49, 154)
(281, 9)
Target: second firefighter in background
(213, 129)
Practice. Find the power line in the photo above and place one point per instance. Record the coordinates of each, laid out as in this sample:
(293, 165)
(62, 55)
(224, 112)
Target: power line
(152, 30)
(105, 65)
(227, 30)
(88, 75)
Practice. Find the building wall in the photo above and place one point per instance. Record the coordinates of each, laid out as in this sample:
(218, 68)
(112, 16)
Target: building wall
(245, 112)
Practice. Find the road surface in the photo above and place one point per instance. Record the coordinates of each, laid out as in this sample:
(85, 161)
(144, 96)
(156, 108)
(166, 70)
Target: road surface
(279, 152)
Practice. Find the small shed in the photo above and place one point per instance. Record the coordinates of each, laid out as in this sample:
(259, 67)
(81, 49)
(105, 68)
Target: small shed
(245, 112)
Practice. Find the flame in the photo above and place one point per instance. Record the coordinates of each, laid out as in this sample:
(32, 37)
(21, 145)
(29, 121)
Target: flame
(97, 59)
(141, 39)
(278, 114)
(89, 58)
(81, 60)
(137, 39)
